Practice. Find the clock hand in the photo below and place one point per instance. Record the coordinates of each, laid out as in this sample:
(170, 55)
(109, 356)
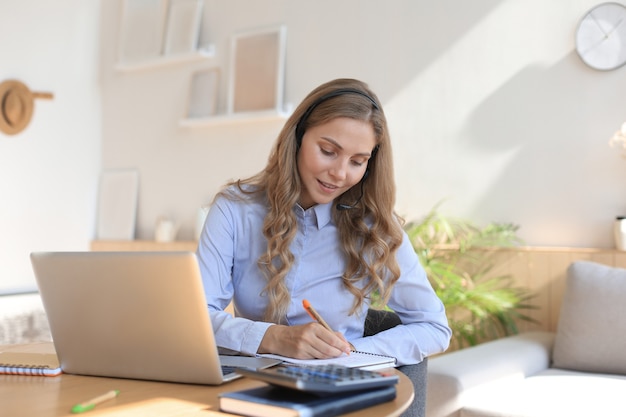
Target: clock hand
(594, 46)
(606, 36)
(599, 26)
(619, 22)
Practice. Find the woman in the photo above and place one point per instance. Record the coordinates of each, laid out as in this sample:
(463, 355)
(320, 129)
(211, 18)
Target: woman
(318, 224)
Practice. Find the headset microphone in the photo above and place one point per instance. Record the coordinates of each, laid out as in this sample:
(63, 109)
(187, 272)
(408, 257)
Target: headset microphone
(342, 207)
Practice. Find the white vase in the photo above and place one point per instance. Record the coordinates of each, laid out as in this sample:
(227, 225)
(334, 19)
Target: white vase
(165, 230)
(619, 230)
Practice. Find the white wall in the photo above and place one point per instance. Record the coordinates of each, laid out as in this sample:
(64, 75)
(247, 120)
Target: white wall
(508, 124)
(49, 172)
(489, 106)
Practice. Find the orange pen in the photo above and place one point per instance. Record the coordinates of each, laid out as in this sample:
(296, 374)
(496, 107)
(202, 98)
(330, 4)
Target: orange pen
(314, 315)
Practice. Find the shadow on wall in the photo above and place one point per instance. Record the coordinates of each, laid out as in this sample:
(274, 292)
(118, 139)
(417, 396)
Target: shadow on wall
(383, 61)
(542, 113)
(386, 45)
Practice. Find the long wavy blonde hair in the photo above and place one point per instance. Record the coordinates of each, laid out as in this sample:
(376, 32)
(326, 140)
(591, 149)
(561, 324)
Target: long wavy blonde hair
(370, 233)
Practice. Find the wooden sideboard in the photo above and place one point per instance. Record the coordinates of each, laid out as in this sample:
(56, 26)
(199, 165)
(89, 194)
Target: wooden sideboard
(543, 270)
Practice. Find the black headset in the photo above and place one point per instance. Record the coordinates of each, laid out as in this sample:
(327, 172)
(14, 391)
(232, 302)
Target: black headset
(300, 131)
(339, 92)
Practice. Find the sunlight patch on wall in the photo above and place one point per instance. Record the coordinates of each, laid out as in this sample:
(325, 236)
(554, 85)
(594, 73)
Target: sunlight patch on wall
(430, 118)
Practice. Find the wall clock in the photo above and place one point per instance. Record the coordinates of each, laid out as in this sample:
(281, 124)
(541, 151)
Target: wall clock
(601, 36)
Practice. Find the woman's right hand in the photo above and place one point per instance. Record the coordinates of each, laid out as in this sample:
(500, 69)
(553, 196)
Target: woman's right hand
(306, 341)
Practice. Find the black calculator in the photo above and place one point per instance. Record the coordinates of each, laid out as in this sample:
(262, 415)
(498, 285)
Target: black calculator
(322, 379)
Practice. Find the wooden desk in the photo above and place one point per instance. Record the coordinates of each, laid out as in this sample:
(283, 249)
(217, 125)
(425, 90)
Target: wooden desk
(55, 396)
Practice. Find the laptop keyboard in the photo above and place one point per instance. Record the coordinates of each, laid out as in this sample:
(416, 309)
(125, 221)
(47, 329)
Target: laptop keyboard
(226, 370)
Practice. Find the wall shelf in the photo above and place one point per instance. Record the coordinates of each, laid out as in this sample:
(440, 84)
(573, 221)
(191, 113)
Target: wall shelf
(167, 60)
(235, 118)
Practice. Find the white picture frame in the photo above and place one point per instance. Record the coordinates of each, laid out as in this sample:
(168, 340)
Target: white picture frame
(141, 35)
(257, 71)
(117, 205)
(203, 93)
(184, 19)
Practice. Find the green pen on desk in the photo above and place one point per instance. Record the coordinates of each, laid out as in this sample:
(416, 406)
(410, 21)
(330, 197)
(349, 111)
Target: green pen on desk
(90, 404)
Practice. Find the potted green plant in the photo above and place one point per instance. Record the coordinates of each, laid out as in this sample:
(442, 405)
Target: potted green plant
(458, 257)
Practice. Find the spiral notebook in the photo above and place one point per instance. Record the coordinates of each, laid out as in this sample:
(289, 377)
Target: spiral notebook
(29, 363)
(355, 359)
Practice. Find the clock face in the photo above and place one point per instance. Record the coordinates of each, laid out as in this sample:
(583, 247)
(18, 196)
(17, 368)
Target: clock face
(601, 37)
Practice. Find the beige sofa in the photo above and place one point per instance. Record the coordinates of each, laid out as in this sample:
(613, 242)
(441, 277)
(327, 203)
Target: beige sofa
(578, 371)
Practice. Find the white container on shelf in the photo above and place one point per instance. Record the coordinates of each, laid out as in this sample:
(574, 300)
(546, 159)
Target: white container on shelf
(166, 230)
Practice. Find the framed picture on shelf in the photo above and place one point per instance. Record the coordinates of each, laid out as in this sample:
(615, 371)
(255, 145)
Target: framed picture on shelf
(141, 36)
(203, 91)
(183, 27)
(117, 205)
(257, 71)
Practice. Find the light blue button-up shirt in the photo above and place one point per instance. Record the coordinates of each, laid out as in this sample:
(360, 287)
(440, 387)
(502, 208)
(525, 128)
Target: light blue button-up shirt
(232, 241)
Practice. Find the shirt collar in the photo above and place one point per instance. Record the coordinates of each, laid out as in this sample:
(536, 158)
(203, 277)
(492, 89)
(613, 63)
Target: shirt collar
(321, 212)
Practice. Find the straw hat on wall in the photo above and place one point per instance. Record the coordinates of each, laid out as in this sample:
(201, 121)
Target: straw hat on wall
(16, 106)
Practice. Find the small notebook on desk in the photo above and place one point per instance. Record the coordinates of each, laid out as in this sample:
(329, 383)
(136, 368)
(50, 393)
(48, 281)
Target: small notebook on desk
(29, 363)
(355, 359)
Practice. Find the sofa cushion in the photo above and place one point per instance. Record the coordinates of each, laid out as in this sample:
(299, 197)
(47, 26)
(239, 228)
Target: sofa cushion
(551, 393)
(591, 332)
(453, 376)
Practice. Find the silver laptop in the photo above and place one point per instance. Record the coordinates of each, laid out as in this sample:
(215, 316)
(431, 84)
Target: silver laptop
(139, 315)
